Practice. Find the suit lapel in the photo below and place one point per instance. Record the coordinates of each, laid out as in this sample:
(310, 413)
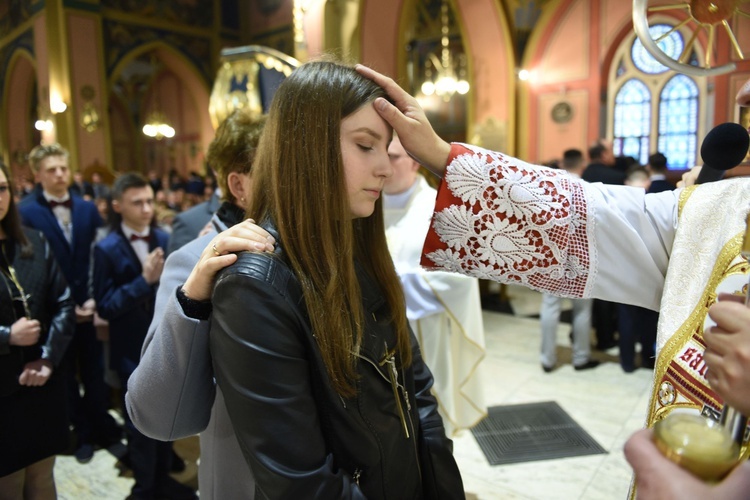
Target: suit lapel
(76, 217)
(129, 249)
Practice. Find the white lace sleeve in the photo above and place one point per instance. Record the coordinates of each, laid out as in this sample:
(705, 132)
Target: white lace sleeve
(502, 219)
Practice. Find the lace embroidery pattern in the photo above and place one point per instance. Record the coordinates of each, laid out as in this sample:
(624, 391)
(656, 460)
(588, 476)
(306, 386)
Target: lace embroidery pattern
(518, 223)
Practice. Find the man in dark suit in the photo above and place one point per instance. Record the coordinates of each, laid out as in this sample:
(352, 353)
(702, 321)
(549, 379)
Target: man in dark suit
(127, 267)
(601, 165)
(188, 224)
(81, 187)
(601, 169)
(69, 223)
(657, 167)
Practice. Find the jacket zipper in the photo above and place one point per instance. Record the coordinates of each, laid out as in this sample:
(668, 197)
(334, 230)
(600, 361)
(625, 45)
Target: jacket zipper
(390, 359)
(356, 475)
(411, 424)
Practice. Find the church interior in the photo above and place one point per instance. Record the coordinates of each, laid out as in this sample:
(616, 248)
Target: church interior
(141, 85)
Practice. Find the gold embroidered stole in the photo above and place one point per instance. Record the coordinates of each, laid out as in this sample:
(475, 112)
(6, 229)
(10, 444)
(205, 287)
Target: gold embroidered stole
(705, 261)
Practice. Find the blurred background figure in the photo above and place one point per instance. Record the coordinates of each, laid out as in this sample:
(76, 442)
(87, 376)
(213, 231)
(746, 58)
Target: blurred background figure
(37, 320)
(70, 224)
(443, 309)
(81, 187)
(573, 163)
(657, 167)
(637, 176)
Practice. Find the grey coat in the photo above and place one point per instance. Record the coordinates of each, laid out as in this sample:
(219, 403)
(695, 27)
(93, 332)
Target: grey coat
(172, 393)
(188, 224)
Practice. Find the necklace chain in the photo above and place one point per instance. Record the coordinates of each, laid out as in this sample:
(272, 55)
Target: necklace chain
(11, 274)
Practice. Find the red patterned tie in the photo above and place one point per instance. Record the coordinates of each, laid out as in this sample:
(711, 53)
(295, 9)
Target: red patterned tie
(67, 203)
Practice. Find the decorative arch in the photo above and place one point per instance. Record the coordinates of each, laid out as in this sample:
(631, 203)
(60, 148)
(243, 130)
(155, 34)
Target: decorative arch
(486, 36)
(683, 137)
(19, 103)
(185, 102)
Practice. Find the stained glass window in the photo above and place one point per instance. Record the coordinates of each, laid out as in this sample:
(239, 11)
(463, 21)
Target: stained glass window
(632, 120)
(678, 121)
(671, 45)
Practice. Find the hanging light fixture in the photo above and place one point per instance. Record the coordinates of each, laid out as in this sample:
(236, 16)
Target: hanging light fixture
(449, 75)
(157, 126)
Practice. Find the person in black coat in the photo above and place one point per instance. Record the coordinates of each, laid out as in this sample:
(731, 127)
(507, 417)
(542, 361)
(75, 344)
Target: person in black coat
(322, 377)
(601, 169)
(601, 165)
(37, 321)
(657, 166)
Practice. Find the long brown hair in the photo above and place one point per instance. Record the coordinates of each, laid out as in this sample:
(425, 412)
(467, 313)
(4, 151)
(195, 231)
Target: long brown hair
(11, 223)
(300, 185)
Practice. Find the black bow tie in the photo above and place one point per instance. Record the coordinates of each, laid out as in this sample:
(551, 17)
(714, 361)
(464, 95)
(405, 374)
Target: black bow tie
(136, 237)
(67, 203)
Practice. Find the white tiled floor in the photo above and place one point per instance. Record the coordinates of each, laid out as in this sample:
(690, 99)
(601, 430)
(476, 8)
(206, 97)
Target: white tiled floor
(609, 404)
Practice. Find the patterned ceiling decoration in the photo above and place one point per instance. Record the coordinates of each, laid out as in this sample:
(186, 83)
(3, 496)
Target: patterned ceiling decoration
(194, 13)
(16, 12)
(120, 39)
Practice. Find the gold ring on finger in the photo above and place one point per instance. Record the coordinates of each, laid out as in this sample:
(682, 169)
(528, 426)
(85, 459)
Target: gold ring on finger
(216, 252)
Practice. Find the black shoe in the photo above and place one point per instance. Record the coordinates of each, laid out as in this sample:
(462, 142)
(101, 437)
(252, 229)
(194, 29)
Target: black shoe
(604, 346)
(592, 363)
(172, 490)
(178, 464)
(548, 369)
(84, 453)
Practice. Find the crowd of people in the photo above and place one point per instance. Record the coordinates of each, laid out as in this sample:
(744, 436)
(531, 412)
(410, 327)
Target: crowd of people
(310, 351)
(615, 325)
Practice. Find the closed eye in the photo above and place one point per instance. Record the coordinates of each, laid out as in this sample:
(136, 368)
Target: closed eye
(364, 148)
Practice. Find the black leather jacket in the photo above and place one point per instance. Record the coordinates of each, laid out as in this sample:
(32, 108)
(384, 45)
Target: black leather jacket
(49, 300)
(301, 439)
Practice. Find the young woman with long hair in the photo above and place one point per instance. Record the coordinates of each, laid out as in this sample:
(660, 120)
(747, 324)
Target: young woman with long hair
(323, 380)
(36, 324)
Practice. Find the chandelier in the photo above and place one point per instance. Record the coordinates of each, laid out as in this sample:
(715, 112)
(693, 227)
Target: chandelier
(156, 125)
(449, 75)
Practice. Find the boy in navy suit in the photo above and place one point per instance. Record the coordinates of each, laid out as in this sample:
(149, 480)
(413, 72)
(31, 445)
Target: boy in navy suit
(69, 224)
(127, 267)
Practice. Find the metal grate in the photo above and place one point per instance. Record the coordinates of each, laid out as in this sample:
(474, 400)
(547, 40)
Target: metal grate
(529, 432)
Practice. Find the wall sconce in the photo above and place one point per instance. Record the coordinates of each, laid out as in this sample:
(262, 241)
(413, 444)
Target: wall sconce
(57, 105)
(89, 114)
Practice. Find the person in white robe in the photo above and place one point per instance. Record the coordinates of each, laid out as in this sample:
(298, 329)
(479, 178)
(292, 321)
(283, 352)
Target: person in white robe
(497, 217)
(443, 309)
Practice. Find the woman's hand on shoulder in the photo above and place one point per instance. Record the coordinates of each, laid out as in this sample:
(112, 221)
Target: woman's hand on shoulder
(221, 252)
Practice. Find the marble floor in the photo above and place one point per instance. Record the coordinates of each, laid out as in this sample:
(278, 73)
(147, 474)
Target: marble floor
(608, 403)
